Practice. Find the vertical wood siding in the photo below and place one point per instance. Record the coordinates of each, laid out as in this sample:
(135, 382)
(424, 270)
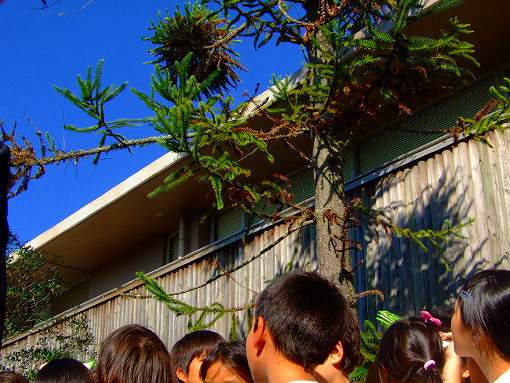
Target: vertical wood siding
(468, 180)
(238, 289)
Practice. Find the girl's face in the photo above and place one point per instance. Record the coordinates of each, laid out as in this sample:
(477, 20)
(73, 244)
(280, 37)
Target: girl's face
(217, 373)
(463, 339)
(193, 374)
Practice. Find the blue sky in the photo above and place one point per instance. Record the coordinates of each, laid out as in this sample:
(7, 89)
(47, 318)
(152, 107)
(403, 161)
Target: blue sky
(40, 48)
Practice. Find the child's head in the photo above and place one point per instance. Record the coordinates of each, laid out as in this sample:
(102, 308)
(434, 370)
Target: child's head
(302, 317)
(12, 377)
(227, 363)
(480, 321)
(63, 371)
(189, 352)
(411, 351)
(133, 354)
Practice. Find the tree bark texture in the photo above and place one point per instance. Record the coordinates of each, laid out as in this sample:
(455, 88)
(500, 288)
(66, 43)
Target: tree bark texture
(333, 244)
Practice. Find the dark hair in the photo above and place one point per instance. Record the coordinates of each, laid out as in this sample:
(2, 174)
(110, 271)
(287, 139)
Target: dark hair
(405, 348)
(307, 316)
(12, 377)
(485, 306)
(63, 371)
(232, 355)
(444, 314)
(133, 354)
(192, 345)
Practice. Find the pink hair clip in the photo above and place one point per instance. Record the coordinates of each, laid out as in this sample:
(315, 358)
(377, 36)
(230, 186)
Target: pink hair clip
(429, 365)
(428, 318)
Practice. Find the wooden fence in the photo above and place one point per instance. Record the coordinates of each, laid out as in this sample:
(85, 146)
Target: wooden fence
(273, 251)
(469, 180)
(463, 181)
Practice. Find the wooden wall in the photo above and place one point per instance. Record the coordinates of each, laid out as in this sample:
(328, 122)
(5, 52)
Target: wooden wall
(470, 180)
(467, 180)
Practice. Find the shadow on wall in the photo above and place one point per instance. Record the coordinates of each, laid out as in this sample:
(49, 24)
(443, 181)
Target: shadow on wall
(446, 187)
(468, 181)
(250, 266)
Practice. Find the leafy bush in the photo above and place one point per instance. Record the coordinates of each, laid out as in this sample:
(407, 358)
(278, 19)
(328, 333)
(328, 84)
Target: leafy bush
(369, 343)
(72, 339)
(33, 282)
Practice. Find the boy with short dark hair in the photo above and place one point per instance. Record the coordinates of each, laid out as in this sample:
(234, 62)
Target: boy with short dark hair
(303, 330)
(189, 352)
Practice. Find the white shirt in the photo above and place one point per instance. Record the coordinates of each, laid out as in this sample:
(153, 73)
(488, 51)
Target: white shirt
(505, 378)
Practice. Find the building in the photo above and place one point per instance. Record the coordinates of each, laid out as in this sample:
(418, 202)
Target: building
(422, 179)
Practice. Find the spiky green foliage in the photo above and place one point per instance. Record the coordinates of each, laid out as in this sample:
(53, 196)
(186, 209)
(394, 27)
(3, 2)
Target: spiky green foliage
(202, 32)
(199, 318)
(92, 100)
(370, 338)
(209, 131)
(365, 63)
(495, 115)
(357, 77)
(426, 238)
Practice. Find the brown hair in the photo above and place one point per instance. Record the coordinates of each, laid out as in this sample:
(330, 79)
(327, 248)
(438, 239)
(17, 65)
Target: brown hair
(406, 348)
(232, 356)
(65, 370)
(307, 316)
(190, 346)
(12, 377)
(133, 354)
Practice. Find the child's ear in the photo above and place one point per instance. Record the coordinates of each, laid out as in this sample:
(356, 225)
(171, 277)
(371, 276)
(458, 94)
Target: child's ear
(259, 334)
(336, 355)
(181, 375)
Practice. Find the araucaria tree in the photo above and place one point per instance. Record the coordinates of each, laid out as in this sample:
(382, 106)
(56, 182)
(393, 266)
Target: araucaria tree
(364, 68)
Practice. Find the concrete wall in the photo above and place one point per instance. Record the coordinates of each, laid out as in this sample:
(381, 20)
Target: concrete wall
(145, 257)
(77, 294)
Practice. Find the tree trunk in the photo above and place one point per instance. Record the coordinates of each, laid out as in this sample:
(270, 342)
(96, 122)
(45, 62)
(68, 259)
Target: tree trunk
(333, 244)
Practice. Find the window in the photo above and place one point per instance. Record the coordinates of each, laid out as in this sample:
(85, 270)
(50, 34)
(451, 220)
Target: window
(172, 248)
(228, 222)
(423, 127)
